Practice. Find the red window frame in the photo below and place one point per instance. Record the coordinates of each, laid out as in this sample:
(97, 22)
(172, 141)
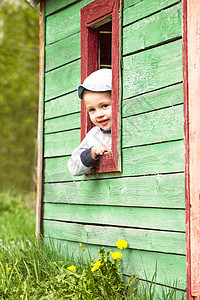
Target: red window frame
(94, 15)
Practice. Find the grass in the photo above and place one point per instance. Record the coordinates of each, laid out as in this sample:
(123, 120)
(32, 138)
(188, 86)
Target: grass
(17, 216)
(32, 269)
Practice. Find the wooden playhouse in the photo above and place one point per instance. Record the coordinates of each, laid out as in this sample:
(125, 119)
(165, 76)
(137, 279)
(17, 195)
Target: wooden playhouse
(147, 190)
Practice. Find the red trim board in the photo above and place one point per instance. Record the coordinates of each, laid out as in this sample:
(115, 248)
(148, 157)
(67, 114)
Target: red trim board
(191, 75)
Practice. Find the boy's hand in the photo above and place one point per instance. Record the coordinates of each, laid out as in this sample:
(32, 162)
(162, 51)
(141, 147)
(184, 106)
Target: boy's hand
(99, 150)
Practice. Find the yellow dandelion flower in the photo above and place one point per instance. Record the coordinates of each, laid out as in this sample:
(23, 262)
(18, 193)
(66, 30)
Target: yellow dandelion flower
(8, 269)
(97, 265)
(121, 244)
(81, 246)
(71, 268)
(116, 255)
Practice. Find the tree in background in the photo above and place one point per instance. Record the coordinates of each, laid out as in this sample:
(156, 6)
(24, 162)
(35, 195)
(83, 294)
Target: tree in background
(19, 49)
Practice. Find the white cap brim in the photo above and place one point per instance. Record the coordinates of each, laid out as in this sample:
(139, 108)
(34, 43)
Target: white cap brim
(98, 81)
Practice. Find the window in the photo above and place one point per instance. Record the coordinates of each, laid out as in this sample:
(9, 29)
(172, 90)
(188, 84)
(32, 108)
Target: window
(105, 46)
(100, 48)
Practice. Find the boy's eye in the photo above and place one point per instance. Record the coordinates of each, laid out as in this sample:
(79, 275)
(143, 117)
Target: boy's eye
(91, 110)
(105, 105)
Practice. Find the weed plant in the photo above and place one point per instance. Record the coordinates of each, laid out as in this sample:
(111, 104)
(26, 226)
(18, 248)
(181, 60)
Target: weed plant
(33, 269)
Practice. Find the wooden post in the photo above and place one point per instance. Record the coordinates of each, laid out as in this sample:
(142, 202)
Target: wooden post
(40, 126)
(191, 72)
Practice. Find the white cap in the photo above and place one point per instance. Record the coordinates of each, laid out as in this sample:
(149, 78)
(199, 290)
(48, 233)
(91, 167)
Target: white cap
(98, 81)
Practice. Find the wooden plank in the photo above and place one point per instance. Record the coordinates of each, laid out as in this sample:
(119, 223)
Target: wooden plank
(56, 170)
(52, 6)
(186, 134)
(154, 159)
(165, 25)
(128, 3)
(136, 9)
(144, 160)
(40, 144)
(152, 69)
(153, 127)
(61, 143)
(63, 105)
(162, 98)
(166, 97)
(64, 23)
(171, 269)
(192, 145)
(154, 191)
(165, 191)
(63, 52)
(166, 219)
(62, 123)
(161, 292)
(63, 80)
(148, 240)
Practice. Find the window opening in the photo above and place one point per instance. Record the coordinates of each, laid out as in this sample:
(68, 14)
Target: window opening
(105, 42)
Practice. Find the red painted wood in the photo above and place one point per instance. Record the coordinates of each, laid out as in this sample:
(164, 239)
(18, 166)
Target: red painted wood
(91, 15)
(186, 136)
(191, 75)
(89, 64)
(98, 9)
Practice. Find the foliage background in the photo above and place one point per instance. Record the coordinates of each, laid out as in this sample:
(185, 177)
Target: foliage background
(19, 70)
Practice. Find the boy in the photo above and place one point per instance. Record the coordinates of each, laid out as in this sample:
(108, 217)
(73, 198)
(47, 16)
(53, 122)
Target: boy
(96, 94)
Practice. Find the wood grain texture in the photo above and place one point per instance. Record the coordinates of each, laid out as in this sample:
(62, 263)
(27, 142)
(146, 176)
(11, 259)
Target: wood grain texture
(40, 145)
(165, 191)
(153, 202)
(145, 160)
(192, 134)
(56, 170)
(63, 80)
(61, 143)
(170, 268)
(63, 52)
(68, 122)
(186, 134)
(52, 6)
(165, 97)
(137, 9)
(63, 105)
(64, 23)
(152, 69)
(148, 240)
(153, 127)
(154, 159)
(165, 25)
(165, 219)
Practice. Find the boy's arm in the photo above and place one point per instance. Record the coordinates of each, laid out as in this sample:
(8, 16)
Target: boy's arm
(87, 153)
(81, 160)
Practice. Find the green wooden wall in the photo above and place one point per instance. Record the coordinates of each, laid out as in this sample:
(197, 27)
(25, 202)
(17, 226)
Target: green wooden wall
(144, 205)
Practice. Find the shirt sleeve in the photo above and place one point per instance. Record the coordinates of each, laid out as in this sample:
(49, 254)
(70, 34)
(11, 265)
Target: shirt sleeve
(87, 159)
(80, 162)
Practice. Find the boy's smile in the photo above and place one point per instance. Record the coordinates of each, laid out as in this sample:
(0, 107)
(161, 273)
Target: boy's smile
(98, 105)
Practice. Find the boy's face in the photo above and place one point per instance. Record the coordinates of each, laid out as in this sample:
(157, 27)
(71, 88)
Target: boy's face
(98, 105)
